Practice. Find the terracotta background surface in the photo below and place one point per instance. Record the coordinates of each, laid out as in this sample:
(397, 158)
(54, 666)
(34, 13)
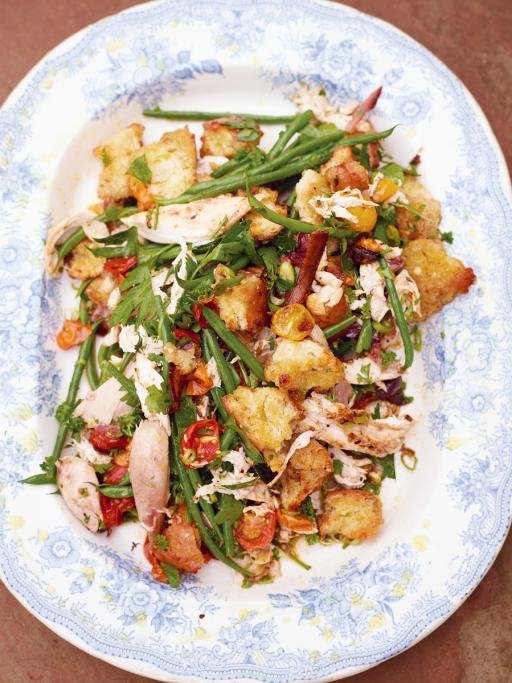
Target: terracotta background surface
(474, 38)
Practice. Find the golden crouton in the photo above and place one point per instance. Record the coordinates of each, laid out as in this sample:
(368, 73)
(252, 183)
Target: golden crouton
(82, 263)
(439, 277)
(116, 155)
(220, 139)
(101, 288)
(261, 228)
(266, 415)
(324, 315)
(172, 164)
(350, 174)
(352, 514)
(340, 156)
(412, 225)
(244, 307)
(303, 365)
(306, 472)
(310, 185)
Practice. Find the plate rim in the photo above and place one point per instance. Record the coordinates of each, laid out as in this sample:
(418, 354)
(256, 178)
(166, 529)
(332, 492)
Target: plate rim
(142, 667)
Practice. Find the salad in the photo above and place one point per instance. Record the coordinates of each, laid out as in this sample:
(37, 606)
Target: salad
(245, 316)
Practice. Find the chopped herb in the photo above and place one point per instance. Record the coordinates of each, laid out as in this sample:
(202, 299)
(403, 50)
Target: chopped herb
(230, 510)
(417, 339)
(376, 412)
(363, 376)
(447, 237)
(106, 160)
(128, 423)
(388, 466)
(172, 573)
(161, 542)
(139, 169)
(158, 400)
(337, 466)
(387, 357)
(84, 492)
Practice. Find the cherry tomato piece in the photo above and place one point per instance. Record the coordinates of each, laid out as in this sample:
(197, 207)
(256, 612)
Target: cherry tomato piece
(255, 531)
(72, 334)
(187, 334)
(200, 443)
(113, 509)
(104, 438)
(115, 474)
(199, 382)
(198, 316)
(295, 522)
(121, 265)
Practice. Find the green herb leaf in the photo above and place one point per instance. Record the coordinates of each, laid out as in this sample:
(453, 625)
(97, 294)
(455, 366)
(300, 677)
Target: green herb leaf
(139, 169)
(230, 510)
(447, 237)
(161, 542)
(128, 423)
(157, 400)
(388, 465)
(172, 573)
(393, 171)
(337, 466)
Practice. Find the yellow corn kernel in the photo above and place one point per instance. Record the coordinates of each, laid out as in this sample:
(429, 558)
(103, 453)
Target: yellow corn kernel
(385, 189)
(366, 218)
(293, 322)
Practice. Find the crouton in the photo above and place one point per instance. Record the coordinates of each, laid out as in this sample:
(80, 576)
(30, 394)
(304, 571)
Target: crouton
(352, 514)
(101, 288)
(350, 174)
(82, 263)
(172, 164)
(116, 155)
(410, 224)
(244, 307)
(306, 472)
(261, 228)
(310, 185)
(266, 415)
(439, 277)
(303, 365)
(326, 315)
(340, 156)
(221, 139)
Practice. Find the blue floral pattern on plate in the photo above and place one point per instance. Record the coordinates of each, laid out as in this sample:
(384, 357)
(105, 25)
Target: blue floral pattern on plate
(356, 607)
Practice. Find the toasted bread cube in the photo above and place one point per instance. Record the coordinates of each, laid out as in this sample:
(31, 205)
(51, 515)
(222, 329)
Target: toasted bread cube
(411, 225)
(351, 174)
(350, 513)
(82, 263)
(439, 277)
(266, 415)
(340, 156)
(220, 139)
(303, 365)
(261, 228)
(116, 155)
(325, 315)
(172, 162)
(311, 184)
(101, 288)
(306, 472)
(244, 307)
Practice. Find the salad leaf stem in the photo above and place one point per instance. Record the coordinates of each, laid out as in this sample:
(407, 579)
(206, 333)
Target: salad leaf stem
(332, 330)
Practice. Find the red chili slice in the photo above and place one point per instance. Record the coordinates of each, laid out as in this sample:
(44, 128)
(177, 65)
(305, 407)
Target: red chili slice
(121, 265)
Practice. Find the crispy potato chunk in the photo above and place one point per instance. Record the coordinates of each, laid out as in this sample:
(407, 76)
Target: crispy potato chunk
(219, 139)
(183, 547)
(261, 228)
(82, 264)
(420, 199)
(340, 156)
(350, 174)
(116, 155)
(439, 277)
(244, 307)
(303, 365)
(310, 185)
(266, 415)
(350, 513)
(306, 472)
(101, 288)
(172, 162)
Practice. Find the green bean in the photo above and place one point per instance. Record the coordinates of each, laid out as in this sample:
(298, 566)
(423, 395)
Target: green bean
(298, 123)
(364, 341)
(240, 263)
(69, 244)
(398, 312)
(292, 223)
(193, 510)
(232, 341)
(223, 366)
(48, 476)
(91, 369)
(232, 166)
(339, 327)
(175, 115)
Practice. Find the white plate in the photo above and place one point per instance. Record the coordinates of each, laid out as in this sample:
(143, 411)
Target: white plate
(444, 523)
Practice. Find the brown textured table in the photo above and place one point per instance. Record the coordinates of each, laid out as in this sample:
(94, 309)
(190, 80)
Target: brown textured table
(474, 38)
